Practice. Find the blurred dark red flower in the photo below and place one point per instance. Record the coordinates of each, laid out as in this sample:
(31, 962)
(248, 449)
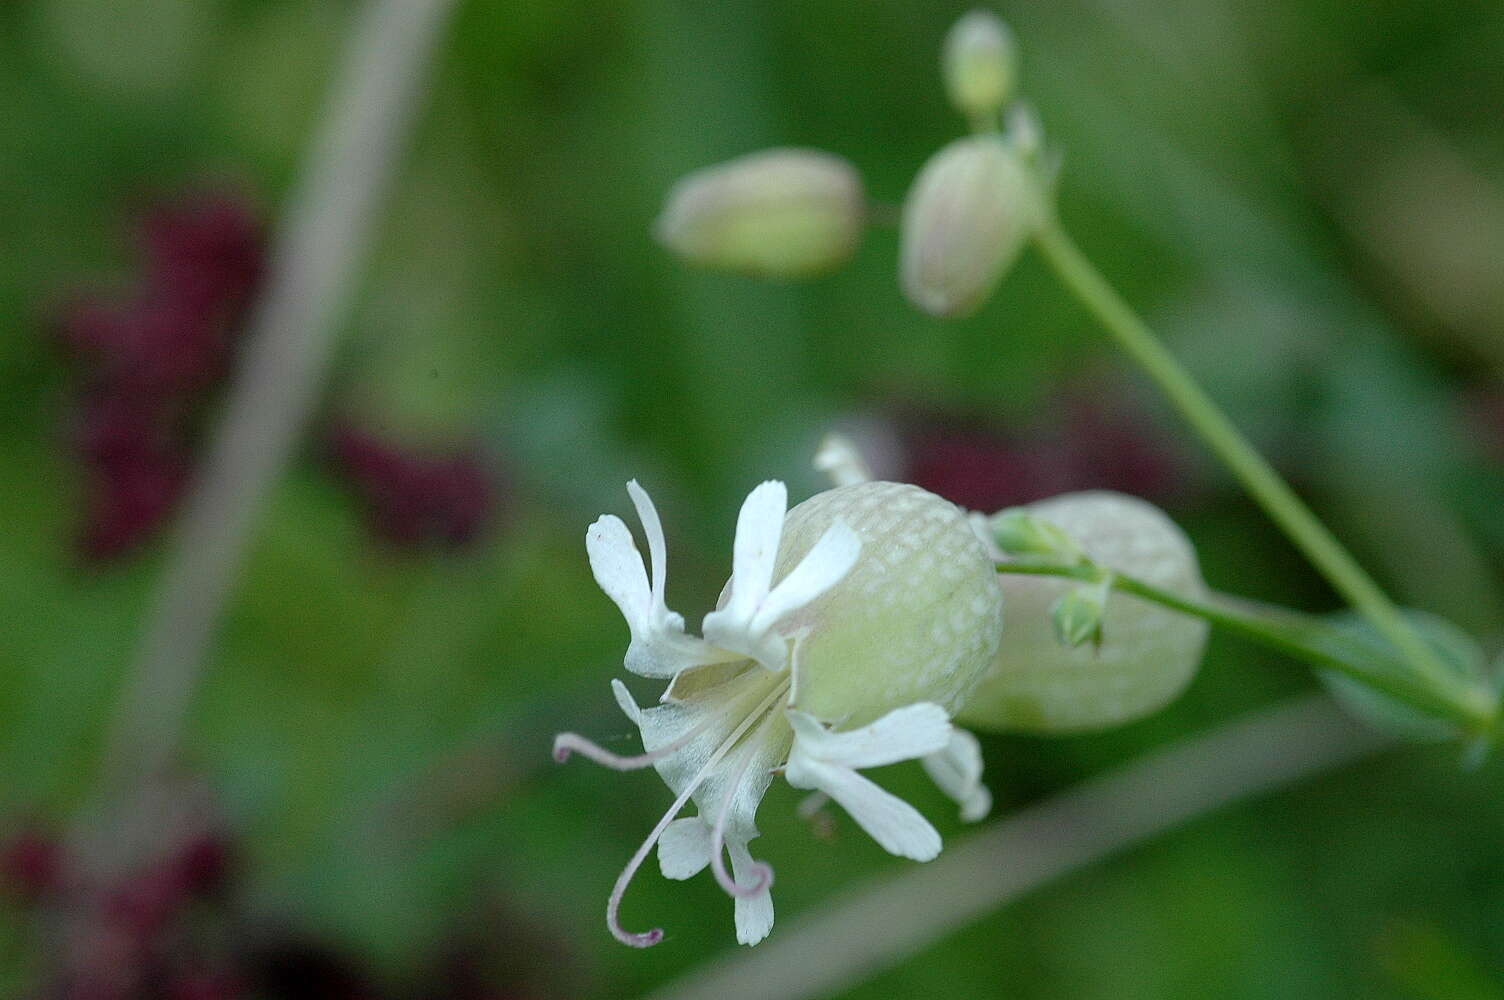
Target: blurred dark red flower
(175, 928)
(414, 498)
(205, 864)
(32, 862)
(126, 500)
(113, 426)
(971, 465)
(201, 985)
(158, 344)
(1085, 438)
(141, 905)
(1483, 413)
(1115, 445)
(204, 249)
(150, 360)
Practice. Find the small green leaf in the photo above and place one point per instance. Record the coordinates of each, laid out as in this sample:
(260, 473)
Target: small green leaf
(1457, 651)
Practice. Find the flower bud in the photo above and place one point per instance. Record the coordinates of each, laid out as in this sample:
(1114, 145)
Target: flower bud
(779, 213)
(966, 219)
(1077, 616)
(980, 65)
(1147, 653)
(1018, 532)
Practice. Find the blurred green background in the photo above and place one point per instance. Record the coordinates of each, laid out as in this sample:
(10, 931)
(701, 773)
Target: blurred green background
(1306, 196)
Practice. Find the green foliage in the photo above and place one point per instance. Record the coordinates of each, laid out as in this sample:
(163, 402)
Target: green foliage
(514, 289)
(1457, 651)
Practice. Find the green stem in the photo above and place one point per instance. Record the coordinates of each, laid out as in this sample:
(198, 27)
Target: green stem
(1257, 475)
(1302, 636)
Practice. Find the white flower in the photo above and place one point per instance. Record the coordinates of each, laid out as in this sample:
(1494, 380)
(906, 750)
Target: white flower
(957, 769)
(852, 627)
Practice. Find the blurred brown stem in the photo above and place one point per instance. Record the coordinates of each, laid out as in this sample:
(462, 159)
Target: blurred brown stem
(315, 259)
(877, 926)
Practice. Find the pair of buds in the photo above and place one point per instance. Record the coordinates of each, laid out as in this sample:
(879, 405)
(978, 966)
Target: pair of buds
(797, 213)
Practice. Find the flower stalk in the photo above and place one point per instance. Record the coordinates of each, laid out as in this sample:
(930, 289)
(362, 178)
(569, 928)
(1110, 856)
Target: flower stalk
(1305, 637)
(1077, 273)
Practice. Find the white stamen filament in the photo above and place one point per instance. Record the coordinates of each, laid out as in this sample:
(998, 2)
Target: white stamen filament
(571, 743)
(647, 939)
(762, 871)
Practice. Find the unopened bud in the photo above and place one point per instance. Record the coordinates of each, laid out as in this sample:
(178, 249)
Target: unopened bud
(980, 65)
(779, 213)
(966, 219)
(1077, 615)
(1017, 532)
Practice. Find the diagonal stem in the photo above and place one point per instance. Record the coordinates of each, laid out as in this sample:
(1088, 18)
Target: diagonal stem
(1326, 553)
(288, 344)
(1303, 636)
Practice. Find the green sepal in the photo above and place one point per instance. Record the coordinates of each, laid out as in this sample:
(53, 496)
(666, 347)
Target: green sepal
(1077, 615)
(1018, 532)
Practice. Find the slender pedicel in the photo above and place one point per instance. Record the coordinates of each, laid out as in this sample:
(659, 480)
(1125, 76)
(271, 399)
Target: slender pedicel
(647, 939)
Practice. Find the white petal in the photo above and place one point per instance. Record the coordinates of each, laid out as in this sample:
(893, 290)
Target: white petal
(617, 566)
(663, 651)
(977, 805)
(660, 647)
(957, 770)
(824, 566)
(905, 733)
(628, 704)
(759, 526)
(709, 715)
(839, 458)
(684, 848)
(654, 657)
(889, 820)
(754, 916)
(657, 546)
(738, 788)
